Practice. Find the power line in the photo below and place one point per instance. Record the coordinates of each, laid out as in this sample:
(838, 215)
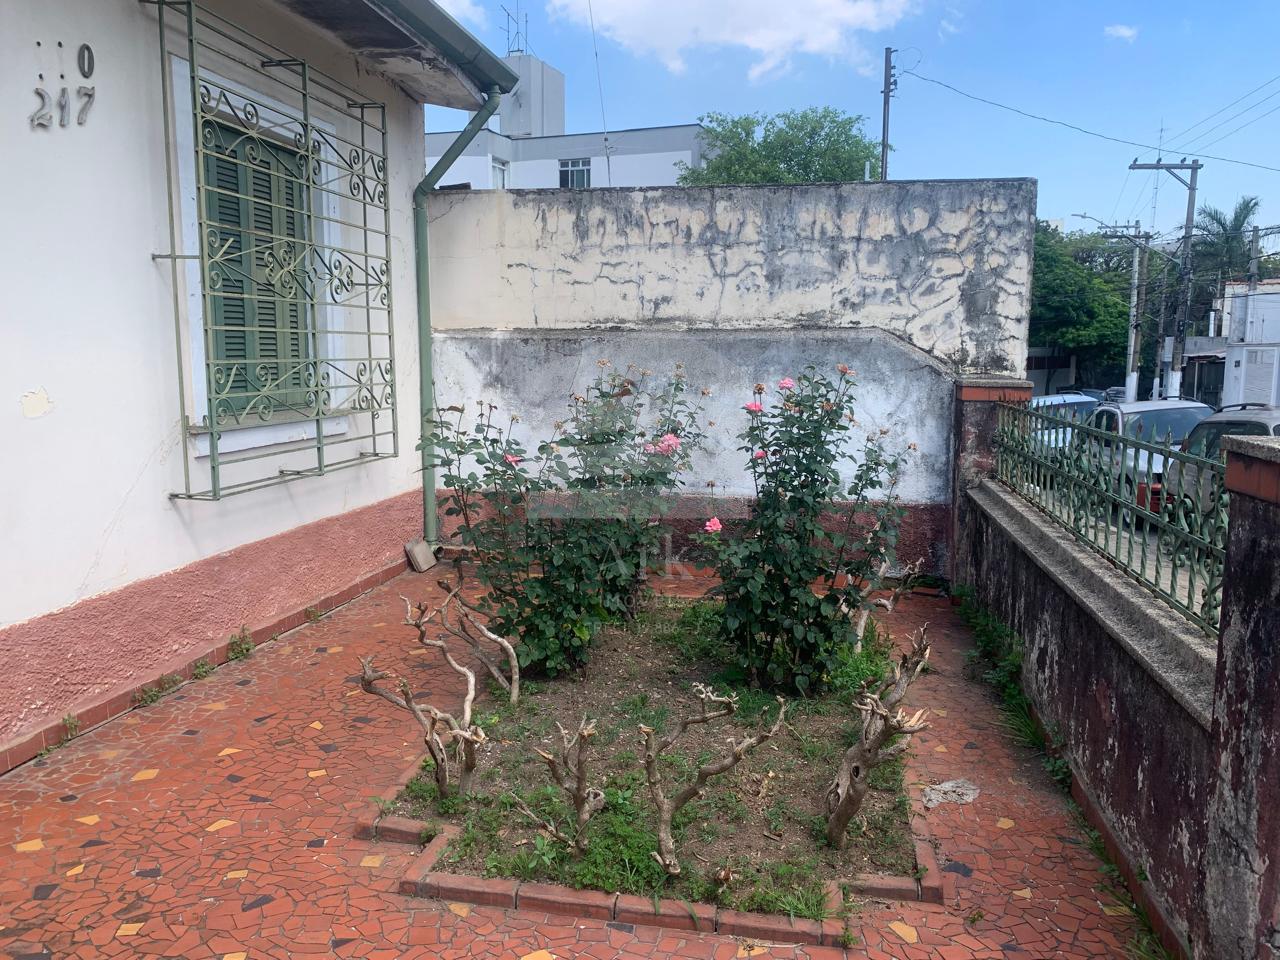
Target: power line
(1178, 136)
(1072, 126)
(608, 162)
(1222, 123)
(1242, 126)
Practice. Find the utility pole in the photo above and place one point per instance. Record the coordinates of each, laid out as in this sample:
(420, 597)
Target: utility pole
(1138, 272)
(1253, 285)
(1173, 387)
(1157, 380)
(1140, 308)
(890, 84)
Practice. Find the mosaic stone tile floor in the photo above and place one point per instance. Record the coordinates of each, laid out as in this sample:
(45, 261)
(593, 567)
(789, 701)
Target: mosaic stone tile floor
(217, 824)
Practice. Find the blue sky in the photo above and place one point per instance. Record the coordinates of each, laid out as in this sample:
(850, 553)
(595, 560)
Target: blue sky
(1115, 67)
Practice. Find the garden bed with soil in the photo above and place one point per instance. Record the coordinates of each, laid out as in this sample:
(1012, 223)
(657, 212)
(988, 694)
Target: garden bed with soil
(752, 842)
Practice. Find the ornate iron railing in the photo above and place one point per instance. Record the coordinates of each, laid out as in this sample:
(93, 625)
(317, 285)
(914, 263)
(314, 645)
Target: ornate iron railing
(1157, 513)
(279, 255)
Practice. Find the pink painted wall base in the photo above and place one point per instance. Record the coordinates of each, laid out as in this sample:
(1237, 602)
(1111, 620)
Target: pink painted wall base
(90, 660)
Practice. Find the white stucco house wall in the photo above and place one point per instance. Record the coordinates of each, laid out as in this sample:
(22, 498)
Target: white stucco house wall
(212, 356)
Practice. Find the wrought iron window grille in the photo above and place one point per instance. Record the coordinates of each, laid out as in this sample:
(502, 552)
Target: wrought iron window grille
(1157, 513)
(277, 174)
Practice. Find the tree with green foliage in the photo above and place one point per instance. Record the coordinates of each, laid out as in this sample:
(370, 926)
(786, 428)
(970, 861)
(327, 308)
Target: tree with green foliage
(816, 145)
(1080, 302)
(1222, 246)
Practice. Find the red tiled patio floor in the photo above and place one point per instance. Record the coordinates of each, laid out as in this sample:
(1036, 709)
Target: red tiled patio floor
(218, 823)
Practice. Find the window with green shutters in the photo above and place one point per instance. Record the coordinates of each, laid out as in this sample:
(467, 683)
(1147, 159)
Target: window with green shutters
(261, 342)
(279, 254)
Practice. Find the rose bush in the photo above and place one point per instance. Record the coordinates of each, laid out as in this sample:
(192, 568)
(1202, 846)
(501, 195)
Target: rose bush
(791, 585)
(561, 535)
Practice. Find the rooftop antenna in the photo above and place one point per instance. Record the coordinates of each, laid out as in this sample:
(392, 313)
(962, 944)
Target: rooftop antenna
(517, 38)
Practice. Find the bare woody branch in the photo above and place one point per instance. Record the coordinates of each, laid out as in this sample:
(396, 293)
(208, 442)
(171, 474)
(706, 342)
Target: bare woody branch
(568, 770)
(860, 612)
(711, 707)
(886, 733)
(439, 729)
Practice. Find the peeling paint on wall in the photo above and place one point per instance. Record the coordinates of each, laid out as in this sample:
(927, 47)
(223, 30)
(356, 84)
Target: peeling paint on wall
(944, 265)
(36, 404)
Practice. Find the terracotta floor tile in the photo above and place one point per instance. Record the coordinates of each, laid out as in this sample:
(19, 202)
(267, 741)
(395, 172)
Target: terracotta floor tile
(189, 829)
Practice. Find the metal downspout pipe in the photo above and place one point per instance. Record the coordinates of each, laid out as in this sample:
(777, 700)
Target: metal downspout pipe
(426, 373)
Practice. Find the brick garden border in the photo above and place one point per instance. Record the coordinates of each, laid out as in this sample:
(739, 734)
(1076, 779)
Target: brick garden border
(373, 824)
(422, 880)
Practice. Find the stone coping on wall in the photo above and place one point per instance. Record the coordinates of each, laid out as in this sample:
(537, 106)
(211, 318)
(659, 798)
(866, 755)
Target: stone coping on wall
(1253, 467)
(992, 389)
(1176, 653)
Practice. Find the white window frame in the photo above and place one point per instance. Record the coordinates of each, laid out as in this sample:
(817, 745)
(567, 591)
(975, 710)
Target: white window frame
(575, 166)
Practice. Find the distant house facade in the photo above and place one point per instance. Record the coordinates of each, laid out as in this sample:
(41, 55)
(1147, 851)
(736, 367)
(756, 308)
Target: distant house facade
(530, 149)
(1251, 322)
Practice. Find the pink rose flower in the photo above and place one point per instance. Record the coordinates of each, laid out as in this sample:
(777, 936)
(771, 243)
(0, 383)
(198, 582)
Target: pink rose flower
(713, 525)
(786, 383)
(760, 454)
(512, 459)
(753, 407)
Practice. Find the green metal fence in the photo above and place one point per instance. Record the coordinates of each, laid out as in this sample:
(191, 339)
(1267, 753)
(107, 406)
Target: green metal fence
(1159, 514)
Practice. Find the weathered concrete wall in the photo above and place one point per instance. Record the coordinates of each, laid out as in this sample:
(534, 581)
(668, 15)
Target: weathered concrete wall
(1125, 681)
(945, 265)
(1242, 862)
(534, 373)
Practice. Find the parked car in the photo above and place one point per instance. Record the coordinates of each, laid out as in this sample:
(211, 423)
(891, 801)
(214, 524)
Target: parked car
(1139, 470)
(1084, 391)
(1194, 487)
(1068, 406)
(1113, 394)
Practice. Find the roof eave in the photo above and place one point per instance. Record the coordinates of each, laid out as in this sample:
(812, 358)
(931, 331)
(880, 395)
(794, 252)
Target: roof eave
(415, 45)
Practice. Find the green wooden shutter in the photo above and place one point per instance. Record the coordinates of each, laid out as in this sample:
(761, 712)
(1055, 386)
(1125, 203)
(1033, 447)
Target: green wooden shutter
(259, 317)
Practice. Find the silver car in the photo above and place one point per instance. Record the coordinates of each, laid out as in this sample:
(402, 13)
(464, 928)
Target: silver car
(1191, 487)
(1137, 467)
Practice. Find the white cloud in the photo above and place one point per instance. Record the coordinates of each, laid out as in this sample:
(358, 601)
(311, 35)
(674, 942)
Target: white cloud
(1121, 31)
(952, 22)
(466, 10)
(672, 30)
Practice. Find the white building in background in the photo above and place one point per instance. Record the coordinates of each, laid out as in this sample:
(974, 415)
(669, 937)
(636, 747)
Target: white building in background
(530, 148)
(1251, 322)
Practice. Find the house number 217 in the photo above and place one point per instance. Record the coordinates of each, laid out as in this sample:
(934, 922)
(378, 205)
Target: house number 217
(42, 116)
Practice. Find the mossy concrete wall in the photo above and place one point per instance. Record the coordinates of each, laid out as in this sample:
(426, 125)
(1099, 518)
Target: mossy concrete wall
(1123, 682)
(1173, 736)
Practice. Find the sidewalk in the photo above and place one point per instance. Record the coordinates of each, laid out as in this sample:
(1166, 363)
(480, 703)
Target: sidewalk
(217, 823)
